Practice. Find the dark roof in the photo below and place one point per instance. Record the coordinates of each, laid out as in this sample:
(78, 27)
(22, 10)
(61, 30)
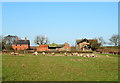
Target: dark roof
(82, 40)
(22, 42)
(86, 40)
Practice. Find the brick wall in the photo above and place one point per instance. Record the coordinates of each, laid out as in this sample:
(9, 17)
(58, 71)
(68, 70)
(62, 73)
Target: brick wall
(43, 48)
(20, 46)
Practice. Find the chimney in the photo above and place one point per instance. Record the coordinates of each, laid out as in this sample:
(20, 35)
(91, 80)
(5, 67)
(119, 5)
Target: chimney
(25, 38)
(16, 38)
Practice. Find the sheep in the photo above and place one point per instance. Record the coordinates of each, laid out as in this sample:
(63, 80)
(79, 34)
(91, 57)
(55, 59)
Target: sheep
(81, 55)
(84, 56)
(65, 54)
(78, 54)
(35, 53)
(12, 53)
(75, 54)
(43, 53)
(92, 55)
(87, 55)
(16, 53)
(53, 54)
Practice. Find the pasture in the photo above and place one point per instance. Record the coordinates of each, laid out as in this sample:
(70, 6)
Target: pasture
(59, 68)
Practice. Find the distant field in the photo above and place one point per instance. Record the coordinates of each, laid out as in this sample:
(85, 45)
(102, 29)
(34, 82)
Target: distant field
(59, 68)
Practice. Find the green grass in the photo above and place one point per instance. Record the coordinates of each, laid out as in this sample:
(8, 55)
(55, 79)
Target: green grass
(59, 68)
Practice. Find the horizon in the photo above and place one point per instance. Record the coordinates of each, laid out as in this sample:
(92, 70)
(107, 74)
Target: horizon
(60, 21)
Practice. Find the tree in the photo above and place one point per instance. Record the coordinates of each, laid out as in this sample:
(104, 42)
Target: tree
(39, 40)
(94, 44)
(101, 41)
(7, 42)
(115, 39)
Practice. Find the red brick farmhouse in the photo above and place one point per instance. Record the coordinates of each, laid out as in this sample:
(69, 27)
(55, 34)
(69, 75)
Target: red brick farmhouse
(21, 44)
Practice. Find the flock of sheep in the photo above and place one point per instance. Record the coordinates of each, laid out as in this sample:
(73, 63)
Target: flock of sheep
(65, 54)
(72, 54)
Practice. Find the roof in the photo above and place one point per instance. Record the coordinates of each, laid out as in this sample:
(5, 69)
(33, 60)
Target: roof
(56, 45)
(22, 42)
(85, 40)
(43, 45)
(82, 40)
(33, 47)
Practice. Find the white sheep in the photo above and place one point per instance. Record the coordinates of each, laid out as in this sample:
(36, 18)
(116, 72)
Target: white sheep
(92, 55)
(53, 53)
(16, 53)
(12, 53)
(78, 54)
(35, 53)
(65, 54)
(87, 55)
(81, 55)
(43, 53)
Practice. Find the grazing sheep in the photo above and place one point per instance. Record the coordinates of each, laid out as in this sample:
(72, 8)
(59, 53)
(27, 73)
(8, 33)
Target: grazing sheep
(65, 54)
(92, 55)
(87, 55)
(35, 53)
(81, 55)
(43, 53)
(84, 56)
(78, 54)
(16, 53)
(53, 54)
(72, 54)
(75, 54)
(12, 53)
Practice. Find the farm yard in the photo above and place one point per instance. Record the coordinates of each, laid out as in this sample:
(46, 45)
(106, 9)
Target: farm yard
(28, 67)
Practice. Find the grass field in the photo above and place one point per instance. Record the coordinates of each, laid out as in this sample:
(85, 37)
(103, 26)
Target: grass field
(59, 68)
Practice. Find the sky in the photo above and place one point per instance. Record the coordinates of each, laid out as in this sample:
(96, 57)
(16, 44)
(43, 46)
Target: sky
(60, 21)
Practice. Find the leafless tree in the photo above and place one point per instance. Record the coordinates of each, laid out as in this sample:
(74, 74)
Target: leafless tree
(101, 41)
(39, 40)
(115, 39)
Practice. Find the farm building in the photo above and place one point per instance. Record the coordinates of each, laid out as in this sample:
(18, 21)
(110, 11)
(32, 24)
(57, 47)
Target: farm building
(33, 47)
(42, 48)
(21, 44)
(54, 47)
(84, 44)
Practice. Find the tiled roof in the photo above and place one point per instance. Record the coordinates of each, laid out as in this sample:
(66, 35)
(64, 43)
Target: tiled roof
(85, 40)
(22, 42)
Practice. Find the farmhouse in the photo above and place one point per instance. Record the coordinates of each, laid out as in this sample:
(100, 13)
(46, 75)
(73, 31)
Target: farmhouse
(21, 44)
(83, 44)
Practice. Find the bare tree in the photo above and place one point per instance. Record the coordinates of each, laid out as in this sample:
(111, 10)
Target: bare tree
(7, 42)
(41, 40)
(101, 41)
(115, 39)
